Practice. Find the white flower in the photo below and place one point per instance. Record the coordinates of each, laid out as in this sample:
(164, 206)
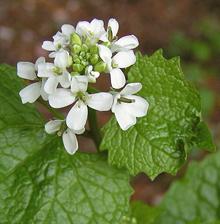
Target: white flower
(69, 136)
(60, 40)
(56, 73)
(114, 63)
(77, 116)
(93, 30)
(92, 75)
(32, 92)
(127, 107)
(124, 43)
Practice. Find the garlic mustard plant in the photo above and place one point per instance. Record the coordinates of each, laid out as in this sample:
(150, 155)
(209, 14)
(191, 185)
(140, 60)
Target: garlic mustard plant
(78, 57)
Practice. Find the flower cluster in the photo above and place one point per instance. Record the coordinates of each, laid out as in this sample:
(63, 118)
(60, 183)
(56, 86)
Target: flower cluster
(79, 56)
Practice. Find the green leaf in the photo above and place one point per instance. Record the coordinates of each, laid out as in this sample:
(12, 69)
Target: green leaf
(40, 182)
(160, 141)
(143, 213)
(196, 196)
(203, 137)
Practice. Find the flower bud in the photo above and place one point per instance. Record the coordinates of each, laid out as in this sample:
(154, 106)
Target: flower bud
(77, 67)
(84, 63)
(100, 67)
(76, 60)
(85, 48)
(88, 55)
(76, 48)
(110, 34)
(70, 61)
(75, 39)
(93, 49)
(82, 54)
(94, 59)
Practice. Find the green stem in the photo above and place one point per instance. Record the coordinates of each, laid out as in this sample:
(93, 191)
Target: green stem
(52, 110)
(94, 129)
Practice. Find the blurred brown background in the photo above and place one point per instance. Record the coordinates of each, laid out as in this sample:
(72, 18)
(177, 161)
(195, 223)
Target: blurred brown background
(187, 28)
(24, 24)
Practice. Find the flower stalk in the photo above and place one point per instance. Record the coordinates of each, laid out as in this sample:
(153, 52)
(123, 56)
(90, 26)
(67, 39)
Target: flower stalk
(94, 129)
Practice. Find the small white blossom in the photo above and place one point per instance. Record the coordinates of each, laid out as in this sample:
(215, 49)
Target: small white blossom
(77, 116)
(124, 43)
(68, 135)
(114, 63)
(92, 75)
(127, 106)
(60, 40)
(56, 73)
(93, 30)
(32, 92)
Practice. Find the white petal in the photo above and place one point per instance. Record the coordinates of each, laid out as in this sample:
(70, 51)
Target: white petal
(117, 78)
(51, 85)
(60, 40)
(97, 27)
(79, 132)
(40, 60)
(77, 116)
(70, 141)
(100, 101)
(48, 45)
(82, 27)
(61, 98)
(64, 79)
(105, 54)
(127, 43)
(53, 54)
(93, 76)
(62, 59)
(124, 59)
(79, 83)
(104, 37)
(138, 108)
(53, 126)
(26, 70)
(89, 69)
(67, 29)
(45, 69)
(43, 94)
(113, 24)
(125, 120)
(30, 93)
(131, 88)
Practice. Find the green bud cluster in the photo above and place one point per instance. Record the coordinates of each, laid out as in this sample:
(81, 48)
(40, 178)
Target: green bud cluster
(84, 54)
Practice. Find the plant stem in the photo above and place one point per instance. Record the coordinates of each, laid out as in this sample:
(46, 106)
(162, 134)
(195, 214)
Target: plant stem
(52, 110)
(94, 129)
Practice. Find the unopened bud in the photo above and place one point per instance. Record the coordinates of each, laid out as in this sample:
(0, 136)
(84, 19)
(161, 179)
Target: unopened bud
(78, 67)
(76, 60)
(82, 54)
(76, 48)
(84, 63)
(75, 39)
(70, 61)
(100, 67)
(88, 55)
(110, 34)
(94, 59)
(85, 48)
(94, 49)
